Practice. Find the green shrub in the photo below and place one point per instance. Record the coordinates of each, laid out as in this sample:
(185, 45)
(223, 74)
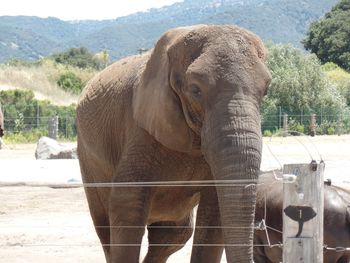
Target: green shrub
(70, 82)
(31, 136)
(296, 128)
(267, 133)
(326, 127)
(331, 131)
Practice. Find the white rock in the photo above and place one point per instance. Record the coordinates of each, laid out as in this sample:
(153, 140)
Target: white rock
(48, 148)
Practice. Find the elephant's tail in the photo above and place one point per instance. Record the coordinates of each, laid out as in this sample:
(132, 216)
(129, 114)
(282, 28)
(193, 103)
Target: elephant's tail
(348, 215)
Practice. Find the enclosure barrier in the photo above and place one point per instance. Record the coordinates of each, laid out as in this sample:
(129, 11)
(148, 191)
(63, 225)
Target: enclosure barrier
(34, 118)
(303, 213)
(303, 207)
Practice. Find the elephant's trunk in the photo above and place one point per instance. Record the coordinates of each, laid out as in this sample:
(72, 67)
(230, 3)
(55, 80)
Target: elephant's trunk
(232, 146)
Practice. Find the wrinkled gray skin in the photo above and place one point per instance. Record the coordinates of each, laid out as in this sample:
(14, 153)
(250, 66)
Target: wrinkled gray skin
(336, 221)
(186, 111)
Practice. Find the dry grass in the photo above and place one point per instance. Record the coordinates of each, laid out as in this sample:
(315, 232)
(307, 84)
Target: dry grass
(42, 80)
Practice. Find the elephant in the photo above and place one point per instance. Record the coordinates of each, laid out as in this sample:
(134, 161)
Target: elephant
(336, 221)
(166, 130)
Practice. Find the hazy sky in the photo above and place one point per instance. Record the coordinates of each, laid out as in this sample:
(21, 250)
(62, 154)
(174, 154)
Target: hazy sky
(78, 9)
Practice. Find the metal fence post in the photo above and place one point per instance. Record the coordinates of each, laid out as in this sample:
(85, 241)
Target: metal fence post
(339, 125)
(303, 213)
(280, 117)
(285, 124)
(37, 115)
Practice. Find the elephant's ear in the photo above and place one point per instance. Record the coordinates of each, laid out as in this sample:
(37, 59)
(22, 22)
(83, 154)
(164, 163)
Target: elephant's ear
(156, 106)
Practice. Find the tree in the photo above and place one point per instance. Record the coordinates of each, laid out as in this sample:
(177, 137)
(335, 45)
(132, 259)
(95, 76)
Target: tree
(102, 58)
(340, 78)
(77, 57)
(329, 37)
(299, 86)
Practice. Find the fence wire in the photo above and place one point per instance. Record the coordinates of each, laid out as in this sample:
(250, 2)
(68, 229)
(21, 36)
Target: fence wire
(27, 118)
(261, 226)
(67, 128)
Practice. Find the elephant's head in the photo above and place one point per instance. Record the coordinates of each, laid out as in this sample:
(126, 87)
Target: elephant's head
(200, 92)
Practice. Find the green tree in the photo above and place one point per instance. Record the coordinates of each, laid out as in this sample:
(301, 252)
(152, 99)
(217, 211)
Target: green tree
(77, 57)
(299, 86)
(340, 78)
(329, 37)
(102, 58)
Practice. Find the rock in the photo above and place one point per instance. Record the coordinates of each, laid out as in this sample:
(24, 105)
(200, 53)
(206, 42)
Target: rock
(48, 148)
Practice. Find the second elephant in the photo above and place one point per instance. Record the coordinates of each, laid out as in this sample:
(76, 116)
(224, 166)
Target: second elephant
(336, 221)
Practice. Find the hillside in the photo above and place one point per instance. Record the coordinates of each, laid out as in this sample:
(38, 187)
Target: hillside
(42, 80)
(282, 21)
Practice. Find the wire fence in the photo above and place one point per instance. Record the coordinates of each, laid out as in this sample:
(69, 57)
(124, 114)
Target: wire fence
(36, 118)
(325, 124)
(259, 226)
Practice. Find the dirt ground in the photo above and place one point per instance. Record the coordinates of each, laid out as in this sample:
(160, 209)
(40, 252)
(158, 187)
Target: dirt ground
(45, 224)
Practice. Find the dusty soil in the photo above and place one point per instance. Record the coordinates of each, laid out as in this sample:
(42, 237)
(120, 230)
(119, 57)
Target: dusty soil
(44, 224)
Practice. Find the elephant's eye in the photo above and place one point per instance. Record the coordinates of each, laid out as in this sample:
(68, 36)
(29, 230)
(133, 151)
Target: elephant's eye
(195, 91)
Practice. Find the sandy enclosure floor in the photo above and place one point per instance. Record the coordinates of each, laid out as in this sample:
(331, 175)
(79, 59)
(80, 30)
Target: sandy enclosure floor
(45, 224)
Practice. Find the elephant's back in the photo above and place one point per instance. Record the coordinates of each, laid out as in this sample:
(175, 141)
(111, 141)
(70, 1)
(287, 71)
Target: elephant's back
(114, 83)
(104, 113)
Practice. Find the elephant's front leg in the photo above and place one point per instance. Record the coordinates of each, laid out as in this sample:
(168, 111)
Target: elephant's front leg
(128, 213)
(208, 238)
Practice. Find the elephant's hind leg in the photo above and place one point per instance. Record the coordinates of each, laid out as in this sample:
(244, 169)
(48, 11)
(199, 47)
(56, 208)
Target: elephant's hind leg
(173, 235)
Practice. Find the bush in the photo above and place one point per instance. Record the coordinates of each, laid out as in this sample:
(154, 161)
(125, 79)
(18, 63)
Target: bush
(326, 127)
(296, 128)
(267, 133)
(331, 131)
(70, 82)
(25, 137)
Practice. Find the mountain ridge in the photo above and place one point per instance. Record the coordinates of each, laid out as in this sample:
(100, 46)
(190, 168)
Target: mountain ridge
(31, 38)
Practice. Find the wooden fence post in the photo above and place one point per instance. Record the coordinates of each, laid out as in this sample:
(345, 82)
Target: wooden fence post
(313, 124)
(303, 213)
(53, 127)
